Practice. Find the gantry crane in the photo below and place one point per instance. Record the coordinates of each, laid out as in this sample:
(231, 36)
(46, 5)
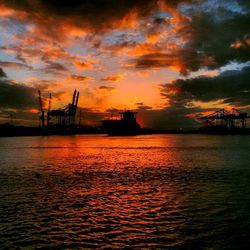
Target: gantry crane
(227, 119)
(66, 116)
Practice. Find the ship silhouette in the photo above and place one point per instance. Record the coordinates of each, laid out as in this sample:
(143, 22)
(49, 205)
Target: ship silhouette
(126, 125)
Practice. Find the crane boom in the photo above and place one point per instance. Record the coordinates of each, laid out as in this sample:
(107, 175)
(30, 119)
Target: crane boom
(73, 99)
(41, 108)
(77, 97)
(49, 108)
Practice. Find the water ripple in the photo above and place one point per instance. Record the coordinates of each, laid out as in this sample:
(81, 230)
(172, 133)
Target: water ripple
(151, 197)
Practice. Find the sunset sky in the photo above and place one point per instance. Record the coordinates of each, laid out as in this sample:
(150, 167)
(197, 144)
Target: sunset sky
(169, 60)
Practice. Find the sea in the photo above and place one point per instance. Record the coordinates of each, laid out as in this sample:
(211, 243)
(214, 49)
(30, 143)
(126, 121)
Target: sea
(137, 192)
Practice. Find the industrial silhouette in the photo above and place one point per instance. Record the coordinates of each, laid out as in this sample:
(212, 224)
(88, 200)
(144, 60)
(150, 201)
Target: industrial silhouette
(62, 117)
(42, 116)
(63, 121)
(224, 120)
(126, 125)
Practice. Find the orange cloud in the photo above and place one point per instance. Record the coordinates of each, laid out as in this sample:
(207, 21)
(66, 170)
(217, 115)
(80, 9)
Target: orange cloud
(237, 44)
(143, 74)
(115, 78)
(144, 48)
(82, 65)
(5, 11)
(53, 52)
(241, 43)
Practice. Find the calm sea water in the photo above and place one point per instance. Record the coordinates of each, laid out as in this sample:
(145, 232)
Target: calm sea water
(142, 192)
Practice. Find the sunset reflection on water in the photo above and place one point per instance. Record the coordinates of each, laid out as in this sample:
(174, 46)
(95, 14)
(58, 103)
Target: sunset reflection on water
(154, 191)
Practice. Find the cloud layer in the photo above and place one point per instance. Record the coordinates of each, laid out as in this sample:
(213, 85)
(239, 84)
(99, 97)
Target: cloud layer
(2, 73)
(17, 96)
(230, 87)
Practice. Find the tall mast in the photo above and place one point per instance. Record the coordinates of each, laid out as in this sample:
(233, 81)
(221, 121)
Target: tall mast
(41, 109)
(73, 100)
(49, 109)
(77, 97)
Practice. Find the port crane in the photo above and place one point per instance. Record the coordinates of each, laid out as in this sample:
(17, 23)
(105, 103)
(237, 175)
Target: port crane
(228, 119)
(66, 116)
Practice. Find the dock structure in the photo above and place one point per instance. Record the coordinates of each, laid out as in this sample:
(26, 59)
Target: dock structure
(62, 117)
(224, 119)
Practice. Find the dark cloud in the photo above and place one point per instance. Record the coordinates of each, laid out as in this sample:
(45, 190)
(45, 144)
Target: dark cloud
(97, 14)
(211, 37)
(19, 117)
(54, 68)
(6, 64)
(142, 106)
(113, 110)
(106, 88)
(231, 86)
(21, 101)
(81, 78)
(90, 117)
(22, 54)
(155, 61)
(173, 117)
(2, 73)
(244, 2)
(17, 96)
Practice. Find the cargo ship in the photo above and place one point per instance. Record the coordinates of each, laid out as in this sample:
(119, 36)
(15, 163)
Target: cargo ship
(126, 125)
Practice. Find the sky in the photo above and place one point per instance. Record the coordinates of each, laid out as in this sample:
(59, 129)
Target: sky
(171, 61)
